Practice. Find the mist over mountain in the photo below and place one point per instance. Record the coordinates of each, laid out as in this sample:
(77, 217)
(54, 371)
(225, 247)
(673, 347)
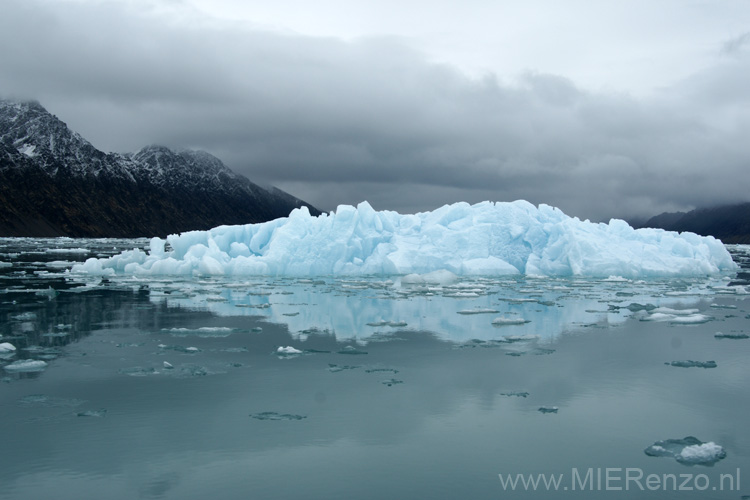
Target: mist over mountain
(53, 182)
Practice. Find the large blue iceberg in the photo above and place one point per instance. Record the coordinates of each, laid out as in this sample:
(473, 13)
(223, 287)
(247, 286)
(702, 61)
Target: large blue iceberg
(483, 239)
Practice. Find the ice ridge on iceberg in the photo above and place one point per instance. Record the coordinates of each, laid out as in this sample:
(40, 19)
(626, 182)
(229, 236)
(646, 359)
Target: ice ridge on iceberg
(483, 239)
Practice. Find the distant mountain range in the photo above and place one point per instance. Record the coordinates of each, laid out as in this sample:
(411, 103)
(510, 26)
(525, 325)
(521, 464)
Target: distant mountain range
(53, 182)
(729, 223)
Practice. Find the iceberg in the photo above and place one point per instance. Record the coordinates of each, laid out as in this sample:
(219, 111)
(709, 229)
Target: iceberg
(488, 239)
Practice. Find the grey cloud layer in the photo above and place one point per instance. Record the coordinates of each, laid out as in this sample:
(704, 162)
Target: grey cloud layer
(339, 122)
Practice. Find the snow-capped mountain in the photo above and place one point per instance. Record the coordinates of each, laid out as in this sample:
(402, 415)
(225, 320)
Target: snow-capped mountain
(54, 182)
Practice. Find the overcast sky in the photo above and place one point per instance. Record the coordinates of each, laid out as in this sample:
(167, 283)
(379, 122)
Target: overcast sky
(603, 108)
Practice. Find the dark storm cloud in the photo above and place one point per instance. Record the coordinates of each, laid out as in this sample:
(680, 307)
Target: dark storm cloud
(339, 122)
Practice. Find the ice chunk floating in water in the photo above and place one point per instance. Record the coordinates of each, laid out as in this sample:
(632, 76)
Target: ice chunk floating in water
(26, 365)
(483, 239)
(688, 451)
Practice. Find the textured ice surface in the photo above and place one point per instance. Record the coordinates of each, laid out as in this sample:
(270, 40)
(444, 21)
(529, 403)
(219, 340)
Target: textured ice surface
(503, 321)
(490, 239)
(7, 347)
(688, 451)
(690, 317)
(288, 350)
(26, 365)
(734, 336)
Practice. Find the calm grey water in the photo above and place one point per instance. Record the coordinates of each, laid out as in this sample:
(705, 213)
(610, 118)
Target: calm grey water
(396, 391)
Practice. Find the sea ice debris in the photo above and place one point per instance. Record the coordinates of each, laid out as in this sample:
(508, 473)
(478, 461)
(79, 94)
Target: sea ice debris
(26, 365)
(504, 321)
(688, 451)
(7, 347)
(288, 350)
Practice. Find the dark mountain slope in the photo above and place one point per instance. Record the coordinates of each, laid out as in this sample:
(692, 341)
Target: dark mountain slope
(53, 182)
(729, 223)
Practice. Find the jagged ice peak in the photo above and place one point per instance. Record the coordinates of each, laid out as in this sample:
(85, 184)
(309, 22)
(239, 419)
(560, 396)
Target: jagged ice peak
(488, 238)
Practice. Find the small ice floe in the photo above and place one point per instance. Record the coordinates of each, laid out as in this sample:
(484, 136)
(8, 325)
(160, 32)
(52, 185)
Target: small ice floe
(5, 264)
(548, 409)
(483, 343)
(693, 364)
(541, 351)
(68, 250)
(518, 394)
(7, 347)
(735, 336)
(688, 451)
(215, 298)
(462, 295)
(394, 324)
(635, 307)
(519, 301)
(378, 370)
(40, 352)
(167, 365)
(255, 306)
(234, 349)
(675, 312)
(93, 413)
(338, 368)
(27, 316)
(256, 329)
(179, 348)
(691, 319)
(391, 382)
(26, 365)
(288, 351)
(616, 279)
(478, 311)
(506, 321)
(272, 415)
(521, 338)
(681, 317)
(204, 331)
(351, 350)
(723, 306)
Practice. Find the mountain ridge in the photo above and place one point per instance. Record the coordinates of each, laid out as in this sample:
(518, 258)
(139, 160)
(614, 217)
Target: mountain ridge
(55, 183)
(729, 223)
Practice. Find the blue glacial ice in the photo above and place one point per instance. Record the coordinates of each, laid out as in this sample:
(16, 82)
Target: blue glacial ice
(490, 239)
